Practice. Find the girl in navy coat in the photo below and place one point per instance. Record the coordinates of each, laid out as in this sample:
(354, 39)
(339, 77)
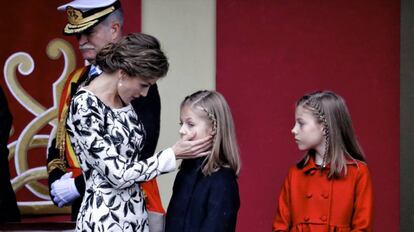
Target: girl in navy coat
(205, 193)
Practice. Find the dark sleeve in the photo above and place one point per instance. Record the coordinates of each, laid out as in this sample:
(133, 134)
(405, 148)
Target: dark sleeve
(6, 120)
(148, 110)
(5, 124)
(223, 204)
(9, 211)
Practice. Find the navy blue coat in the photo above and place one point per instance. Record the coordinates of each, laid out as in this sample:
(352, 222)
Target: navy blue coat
(203, 203)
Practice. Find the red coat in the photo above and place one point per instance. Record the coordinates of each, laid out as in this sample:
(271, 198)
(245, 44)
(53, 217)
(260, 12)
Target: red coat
(309, 201)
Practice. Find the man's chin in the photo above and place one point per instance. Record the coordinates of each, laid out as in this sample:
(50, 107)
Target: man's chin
(89, 57)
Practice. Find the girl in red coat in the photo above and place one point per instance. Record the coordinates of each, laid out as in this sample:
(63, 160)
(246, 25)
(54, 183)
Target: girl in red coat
(330, 189)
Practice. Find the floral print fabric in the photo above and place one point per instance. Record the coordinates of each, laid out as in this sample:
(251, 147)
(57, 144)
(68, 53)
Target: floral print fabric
(108, 144)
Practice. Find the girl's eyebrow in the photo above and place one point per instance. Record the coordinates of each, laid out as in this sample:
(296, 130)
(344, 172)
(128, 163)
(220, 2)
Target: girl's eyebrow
(188, 118)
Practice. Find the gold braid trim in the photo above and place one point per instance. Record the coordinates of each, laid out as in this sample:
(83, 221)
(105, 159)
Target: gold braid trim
(75, 16)
(61, 138)
(55, 163)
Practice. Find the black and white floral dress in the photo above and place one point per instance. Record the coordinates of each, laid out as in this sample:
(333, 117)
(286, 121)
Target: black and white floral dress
(108, 143)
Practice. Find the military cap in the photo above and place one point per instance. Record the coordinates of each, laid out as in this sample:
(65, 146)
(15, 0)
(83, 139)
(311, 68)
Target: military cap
(84, 14)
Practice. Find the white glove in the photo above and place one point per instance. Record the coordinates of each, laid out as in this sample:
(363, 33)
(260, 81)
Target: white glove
(64, 190)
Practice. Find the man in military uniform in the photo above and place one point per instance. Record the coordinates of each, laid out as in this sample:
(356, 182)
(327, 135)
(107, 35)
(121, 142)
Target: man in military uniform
(95, 24)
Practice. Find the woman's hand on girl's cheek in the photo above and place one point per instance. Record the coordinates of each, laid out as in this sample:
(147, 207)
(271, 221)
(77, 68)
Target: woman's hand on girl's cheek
(186, 149)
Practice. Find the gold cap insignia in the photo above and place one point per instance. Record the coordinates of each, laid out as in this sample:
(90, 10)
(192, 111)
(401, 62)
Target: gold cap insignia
(74, 15)
(79, 21)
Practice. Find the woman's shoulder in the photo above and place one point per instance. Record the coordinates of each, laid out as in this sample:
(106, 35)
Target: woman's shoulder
(84, 96)
(84, 102)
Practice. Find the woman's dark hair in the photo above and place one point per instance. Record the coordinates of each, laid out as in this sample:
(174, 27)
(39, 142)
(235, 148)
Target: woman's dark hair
(136, 54)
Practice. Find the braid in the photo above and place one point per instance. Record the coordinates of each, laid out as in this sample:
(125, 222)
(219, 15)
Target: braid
(212, 117)
(318, 112)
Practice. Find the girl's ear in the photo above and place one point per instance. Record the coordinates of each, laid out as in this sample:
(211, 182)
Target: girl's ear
(321, 127)
(212, 130)
(324, 130)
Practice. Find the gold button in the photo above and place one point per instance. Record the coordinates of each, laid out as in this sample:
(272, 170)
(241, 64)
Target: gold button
(309, 195)
(306, 218)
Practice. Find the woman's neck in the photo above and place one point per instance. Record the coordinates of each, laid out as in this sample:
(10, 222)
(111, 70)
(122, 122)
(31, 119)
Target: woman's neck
(105, 88)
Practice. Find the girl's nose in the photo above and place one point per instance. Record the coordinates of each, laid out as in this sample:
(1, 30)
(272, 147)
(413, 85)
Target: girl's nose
(182, 131)
(293, 131)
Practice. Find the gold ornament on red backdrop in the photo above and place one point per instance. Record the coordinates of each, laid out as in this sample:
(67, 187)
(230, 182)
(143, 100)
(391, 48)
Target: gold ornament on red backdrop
(29, 137)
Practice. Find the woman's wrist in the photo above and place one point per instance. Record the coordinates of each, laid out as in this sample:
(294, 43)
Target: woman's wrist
(167, 160)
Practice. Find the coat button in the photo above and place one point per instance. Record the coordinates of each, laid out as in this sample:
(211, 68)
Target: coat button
(323, 218)
(325, 195)
(306, 218)
(309, 195)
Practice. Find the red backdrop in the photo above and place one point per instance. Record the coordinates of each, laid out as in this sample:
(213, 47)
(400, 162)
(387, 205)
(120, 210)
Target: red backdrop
(269, 53)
